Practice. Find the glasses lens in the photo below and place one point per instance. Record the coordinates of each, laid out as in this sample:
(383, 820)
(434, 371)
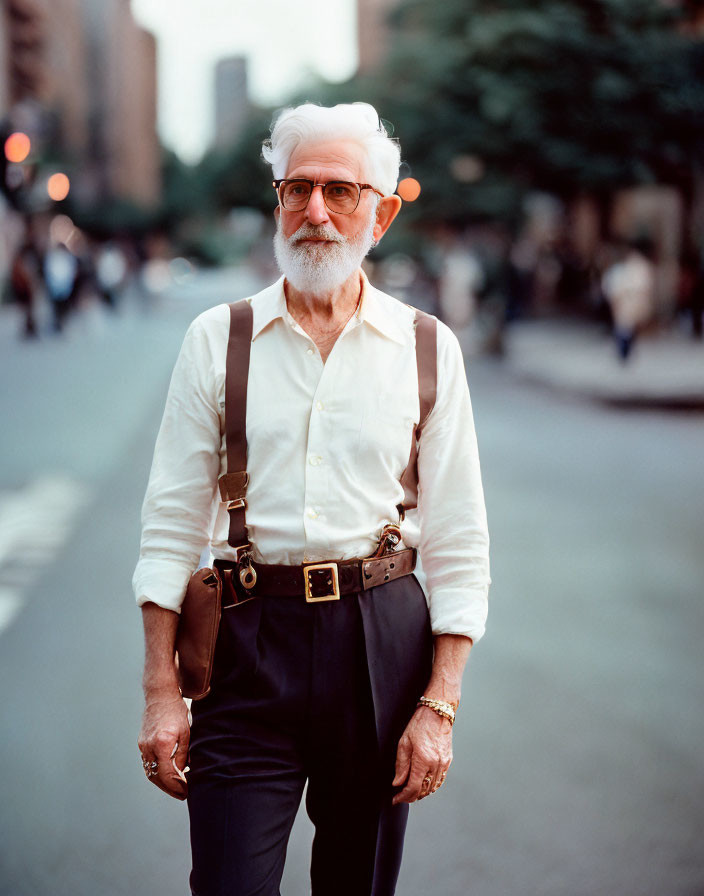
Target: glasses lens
(295, 194)
(341, 197)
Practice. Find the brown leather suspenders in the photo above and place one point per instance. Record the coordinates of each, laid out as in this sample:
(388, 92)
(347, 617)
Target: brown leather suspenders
(233, 484)
(427, 363)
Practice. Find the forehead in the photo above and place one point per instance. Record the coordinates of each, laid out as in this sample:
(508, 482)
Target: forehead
(329, 160)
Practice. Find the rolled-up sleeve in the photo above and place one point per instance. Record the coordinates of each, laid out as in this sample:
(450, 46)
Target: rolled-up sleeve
(454, 543)
(177, 509)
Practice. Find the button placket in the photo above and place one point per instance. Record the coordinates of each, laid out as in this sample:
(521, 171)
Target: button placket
(316, 474)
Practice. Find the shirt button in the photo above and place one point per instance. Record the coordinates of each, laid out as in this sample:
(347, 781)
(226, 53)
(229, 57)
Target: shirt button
(314, 460)
(310, 512)
(310, 352)
(319, 405)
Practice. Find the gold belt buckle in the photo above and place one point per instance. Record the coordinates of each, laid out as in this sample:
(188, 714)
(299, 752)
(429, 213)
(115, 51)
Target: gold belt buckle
(332, 580)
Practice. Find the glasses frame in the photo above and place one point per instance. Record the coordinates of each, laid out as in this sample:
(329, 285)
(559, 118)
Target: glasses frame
(277, 184)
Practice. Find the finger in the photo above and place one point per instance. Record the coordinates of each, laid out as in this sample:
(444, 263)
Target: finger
(150, 764)
(168, 780)
(178, 790)
(403, 763)
(439, 780)
(427, 785)
(163, 774)
(167, 777)
(411, 791)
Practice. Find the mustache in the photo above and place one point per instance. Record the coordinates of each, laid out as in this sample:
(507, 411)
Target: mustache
(309, 231)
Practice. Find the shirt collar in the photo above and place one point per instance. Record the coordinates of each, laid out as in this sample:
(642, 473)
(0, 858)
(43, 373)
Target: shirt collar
(381, 312)
(267, 306)
(375, 308)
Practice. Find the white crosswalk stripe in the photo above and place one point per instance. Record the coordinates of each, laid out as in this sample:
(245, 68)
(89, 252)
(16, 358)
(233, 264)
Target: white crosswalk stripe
(35, 522)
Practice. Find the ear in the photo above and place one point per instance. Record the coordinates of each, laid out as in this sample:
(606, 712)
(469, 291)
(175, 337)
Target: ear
(386, 211)
(277, 213)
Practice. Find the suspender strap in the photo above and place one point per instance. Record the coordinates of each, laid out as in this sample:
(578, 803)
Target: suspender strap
(427, 362)
(233, 484)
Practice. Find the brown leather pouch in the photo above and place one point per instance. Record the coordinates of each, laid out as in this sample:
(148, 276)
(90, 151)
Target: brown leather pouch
(197, 632)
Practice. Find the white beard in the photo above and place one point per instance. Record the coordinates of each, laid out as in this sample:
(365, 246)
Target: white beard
(320, 269)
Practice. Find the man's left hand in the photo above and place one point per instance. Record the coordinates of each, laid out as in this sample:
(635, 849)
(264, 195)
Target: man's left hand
(423, 757)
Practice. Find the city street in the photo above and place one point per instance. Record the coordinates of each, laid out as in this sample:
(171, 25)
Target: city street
(578, 747)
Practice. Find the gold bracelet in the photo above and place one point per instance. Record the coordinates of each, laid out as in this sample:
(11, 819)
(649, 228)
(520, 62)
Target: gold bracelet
(446, 710)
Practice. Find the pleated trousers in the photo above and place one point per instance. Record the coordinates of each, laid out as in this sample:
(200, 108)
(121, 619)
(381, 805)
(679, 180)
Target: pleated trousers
(315, 694)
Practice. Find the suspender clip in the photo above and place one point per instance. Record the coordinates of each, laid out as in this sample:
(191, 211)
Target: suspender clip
(248, 574)
(389, 540)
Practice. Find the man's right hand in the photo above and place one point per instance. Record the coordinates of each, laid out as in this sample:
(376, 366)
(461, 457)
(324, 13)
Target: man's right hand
(164, 739)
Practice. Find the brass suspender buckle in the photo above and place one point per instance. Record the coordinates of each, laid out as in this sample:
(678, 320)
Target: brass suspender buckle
(248, 574)
(322, 582)
(236, 504)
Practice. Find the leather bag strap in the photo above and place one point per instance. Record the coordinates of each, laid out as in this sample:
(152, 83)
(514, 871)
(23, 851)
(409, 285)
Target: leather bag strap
(233, 485)
(425, 326)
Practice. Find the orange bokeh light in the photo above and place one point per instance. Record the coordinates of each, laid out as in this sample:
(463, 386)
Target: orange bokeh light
(408, 189)
(17, 147)
(58, 186)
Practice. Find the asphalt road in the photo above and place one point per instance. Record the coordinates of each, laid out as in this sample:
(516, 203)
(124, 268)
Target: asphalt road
(578, 760)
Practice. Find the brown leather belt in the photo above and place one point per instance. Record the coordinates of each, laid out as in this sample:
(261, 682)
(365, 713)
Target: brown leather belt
(318, 581)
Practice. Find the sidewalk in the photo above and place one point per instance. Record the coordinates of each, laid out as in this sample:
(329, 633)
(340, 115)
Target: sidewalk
(665, 370)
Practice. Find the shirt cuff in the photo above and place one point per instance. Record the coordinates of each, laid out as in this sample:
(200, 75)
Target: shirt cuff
(459, 612)
(161, 583)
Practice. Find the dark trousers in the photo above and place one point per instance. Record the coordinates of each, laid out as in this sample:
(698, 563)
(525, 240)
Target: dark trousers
(316, 693)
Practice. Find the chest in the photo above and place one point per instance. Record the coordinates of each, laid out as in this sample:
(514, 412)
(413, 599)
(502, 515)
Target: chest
(359, 407)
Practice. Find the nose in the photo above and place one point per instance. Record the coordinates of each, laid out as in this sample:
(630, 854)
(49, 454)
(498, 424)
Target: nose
(316, 210)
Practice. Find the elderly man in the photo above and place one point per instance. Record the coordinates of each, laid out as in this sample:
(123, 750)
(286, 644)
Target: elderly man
(333, 667)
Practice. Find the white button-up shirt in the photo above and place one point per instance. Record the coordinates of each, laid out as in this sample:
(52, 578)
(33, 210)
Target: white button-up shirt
(327, 445)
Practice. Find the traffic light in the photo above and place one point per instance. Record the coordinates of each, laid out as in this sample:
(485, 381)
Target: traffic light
(16, 168)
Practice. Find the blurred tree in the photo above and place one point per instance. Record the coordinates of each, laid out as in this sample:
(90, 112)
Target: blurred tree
(238, 177)
(494, 98)
(182, 190)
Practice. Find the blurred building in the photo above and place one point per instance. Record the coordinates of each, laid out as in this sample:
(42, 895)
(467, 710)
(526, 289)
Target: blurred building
(231, 102)
(4, 66)
(127, 111)
(372, 32)
(80, 77)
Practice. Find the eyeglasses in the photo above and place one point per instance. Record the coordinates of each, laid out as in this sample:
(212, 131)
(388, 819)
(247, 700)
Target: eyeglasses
(340, 196)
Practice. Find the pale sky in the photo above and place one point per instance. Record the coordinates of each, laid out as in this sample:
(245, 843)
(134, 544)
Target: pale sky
(283, 40)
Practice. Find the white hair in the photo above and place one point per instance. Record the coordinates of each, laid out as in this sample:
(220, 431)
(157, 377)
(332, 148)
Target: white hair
(356, 122)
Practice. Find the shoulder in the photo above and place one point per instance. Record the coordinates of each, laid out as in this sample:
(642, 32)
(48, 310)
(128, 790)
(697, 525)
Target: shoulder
(448, 343)
(212, 320)
(402, 317)
(214, 323)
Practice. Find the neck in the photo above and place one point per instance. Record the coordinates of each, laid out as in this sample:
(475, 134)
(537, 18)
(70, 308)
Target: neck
(331, 306)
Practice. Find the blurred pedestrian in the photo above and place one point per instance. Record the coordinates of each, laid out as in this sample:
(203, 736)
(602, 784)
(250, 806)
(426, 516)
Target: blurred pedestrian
(629, 287)
(23, 282)
(347, 405)
(696, 299)
(461, 279)
(60, 271)
(111, 272)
